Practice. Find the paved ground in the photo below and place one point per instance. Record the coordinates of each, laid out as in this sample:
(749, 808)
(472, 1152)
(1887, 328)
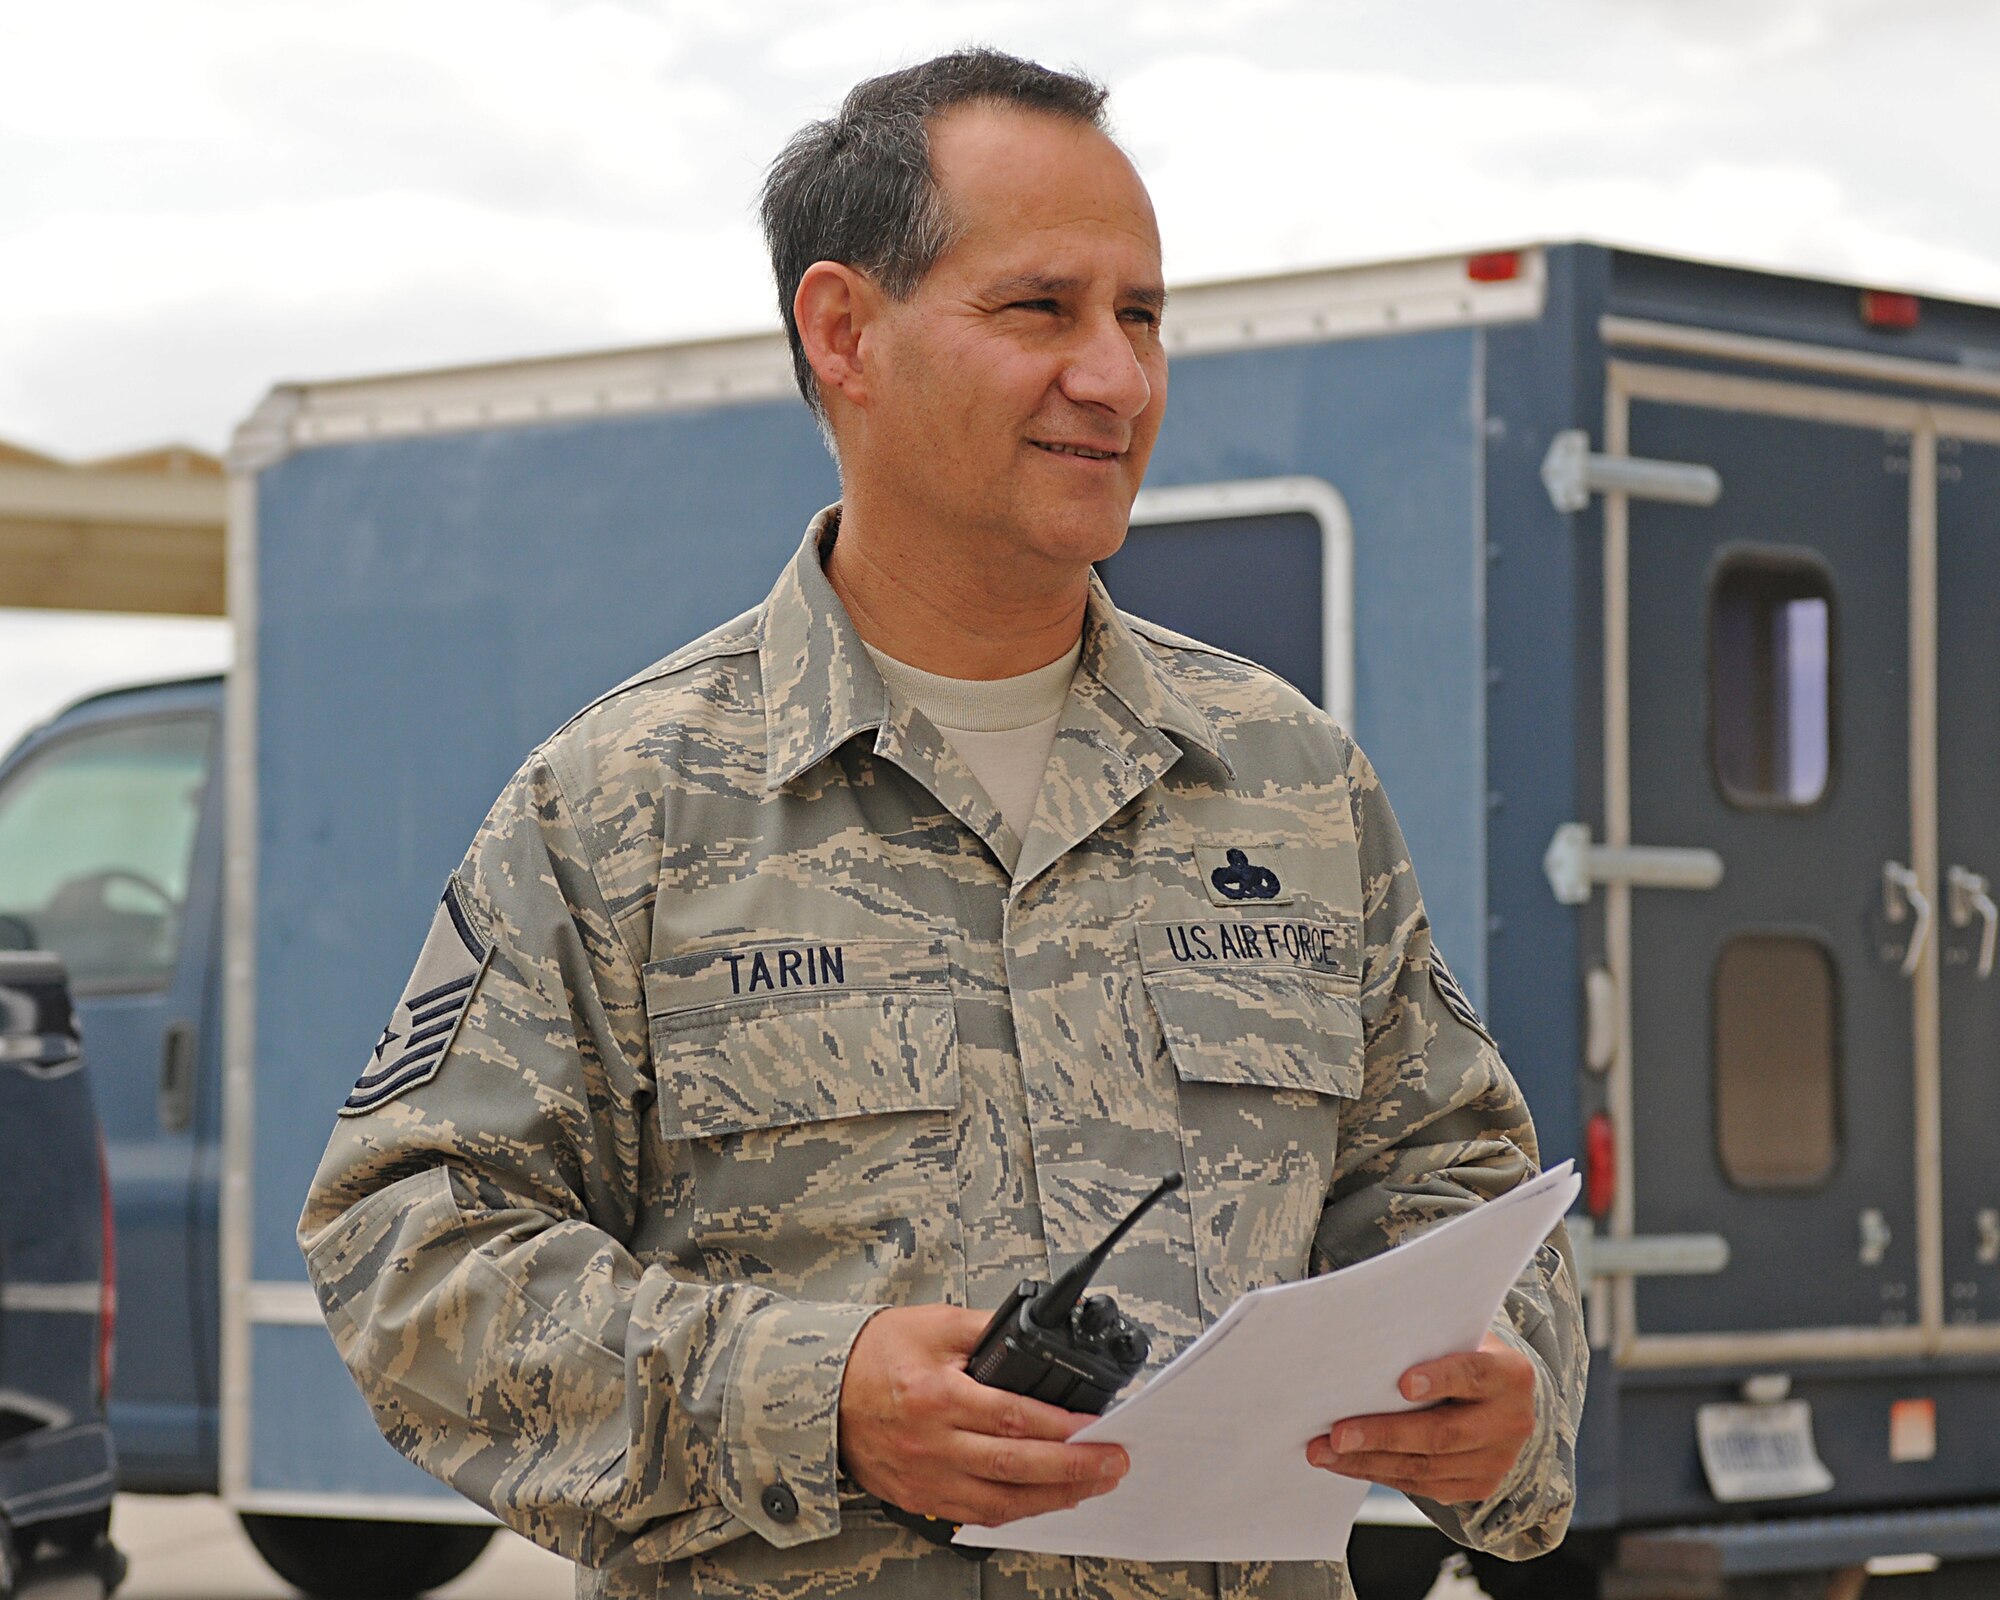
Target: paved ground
(187, 1547)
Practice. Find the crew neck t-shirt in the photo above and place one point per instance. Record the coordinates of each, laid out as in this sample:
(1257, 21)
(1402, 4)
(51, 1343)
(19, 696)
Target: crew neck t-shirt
(1002, 728)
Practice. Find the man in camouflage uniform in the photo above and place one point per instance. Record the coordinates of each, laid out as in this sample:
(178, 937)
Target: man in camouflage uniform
(755, 1053)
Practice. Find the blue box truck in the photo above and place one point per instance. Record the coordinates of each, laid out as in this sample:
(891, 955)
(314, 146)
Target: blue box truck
(1662, 593)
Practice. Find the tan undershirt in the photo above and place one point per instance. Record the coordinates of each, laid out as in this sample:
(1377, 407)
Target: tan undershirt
(1002, 728)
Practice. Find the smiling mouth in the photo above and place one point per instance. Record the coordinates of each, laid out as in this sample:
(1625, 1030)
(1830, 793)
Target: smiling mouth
(1084, 452)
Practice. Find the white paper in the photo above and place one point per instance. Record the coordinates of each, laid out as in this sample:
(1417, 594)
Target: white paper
(1218, 1438)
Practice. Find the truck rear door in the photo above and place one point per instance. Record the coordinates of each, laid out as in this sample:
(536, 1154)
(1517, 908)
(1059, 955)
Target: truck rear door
(1807, 670)
(1772, 1018)
(1968, 756)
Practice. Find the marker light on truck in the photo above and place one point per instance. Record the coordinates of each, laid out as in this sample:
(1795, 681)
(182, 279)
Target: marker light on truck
(1600, 1166)
(1880, 309)
(1495, 266)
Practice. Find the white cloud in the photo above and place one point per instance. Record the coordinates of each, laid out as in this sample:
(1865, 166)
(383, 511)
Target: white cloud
(200, 199)
(48, 659)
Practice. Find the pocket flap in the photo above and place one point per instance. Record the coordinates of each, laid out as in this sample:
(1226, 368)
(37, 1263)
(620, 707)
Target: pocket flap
(1274, 1027)
(871, 1033)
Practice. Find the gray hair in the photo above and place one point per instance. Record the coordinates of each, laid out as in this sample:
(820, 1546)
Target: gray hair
(858, 187)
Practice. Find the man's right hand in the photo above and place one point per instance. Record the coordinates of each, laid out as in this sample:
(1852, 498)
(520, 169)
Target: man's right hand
(920, 1433)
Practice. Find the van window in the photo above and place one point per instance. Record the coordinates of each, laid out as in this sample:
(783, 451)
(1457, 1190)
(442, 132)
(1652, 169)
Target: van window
(1771, 682)
(1776, 1074)
(97, 835)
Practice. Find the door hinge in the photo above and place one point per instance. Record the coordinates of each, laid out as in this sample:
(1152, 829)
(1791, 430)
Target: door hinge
(1573, 864)
(1572, 473)
(1876, 1237)
(1645, 1255)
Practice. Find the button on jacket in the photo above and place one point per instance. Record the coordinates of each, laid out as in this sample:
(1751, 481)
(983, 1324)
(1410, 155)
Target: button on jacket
(747, 1015)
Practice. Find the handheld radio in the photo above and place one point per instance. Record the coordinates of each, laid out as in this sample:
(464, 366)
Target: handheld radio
(1050, 1342)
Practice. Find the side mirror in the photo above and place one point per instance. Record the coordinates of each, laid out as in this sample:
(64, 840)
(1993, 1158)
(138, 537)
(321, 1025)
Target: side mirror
(38, 1027)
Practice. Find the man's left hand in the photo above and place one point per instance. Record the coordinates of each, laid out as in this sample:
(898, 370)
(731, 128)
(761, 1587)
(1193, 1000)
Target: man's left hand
(1462, 1448)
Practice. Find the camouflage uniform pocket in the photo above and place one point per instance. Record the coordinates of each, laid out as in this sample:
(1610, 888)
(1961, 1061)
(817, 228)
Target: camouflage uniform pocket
(808, 1132)
(1267, 1058)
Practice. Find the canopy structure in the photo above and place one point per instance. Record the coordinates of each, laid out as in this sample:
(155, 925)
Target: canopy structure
(135, 533)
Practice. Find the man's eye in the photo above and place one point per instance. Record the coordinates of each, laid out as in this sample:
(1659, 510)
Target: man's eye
(1143, 315)
(1033, 305)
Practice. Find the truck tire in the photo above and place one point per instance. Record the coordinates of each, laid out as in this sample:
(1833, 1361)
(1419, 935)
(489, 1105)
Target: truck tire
(85, 1543)
(10, 1562)
(338, 1558)
(1390, 1562)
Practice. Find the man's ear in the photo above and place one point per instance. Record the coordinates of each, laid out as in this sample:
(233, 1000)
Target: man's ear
(834, 306)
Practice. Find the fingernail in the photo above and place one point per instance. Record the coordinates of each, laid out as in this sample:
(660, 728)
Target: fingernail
(1350, 1439)
(1110, 1467)
(1417, 1387)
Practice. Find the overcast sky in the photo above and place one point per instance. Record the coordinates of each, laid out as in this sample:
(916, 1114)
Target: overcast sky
(198, 199)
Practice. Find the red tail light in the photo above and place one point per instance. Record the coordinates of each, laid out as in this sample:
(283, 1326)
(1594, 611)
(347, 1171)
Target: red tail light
(1496, 266)
(1600, 1166)
(1880, 309)
(107, 1305)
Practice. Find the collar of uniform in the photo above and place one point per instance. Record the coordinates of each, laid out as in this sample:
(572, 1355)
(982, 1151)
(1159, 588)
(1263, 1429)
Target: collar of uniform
(1119, 659)
(820, 688)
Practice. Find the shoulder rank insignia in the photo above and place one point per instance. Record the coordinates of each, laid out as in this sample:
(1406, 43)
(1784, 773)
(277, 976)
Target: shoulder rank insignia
(426, 1019)
(1454, 998)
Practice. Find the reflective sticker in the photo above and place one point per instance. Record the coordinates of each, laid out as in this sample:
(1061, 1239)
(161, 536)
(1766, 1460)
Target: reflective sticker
(1454, 998)
(434, 1003)
(1913, 1430)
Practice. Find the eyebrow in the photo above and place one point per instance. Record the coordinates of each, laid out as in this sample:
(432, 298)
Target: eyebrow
(1037, 284)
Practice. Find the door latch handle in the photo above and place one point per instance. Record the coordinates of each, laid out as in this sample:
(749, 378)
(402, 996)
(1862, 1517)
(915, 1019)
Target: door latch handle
(177, 1067)
(1903, 895)
(1875, 1237)
(1968, 895)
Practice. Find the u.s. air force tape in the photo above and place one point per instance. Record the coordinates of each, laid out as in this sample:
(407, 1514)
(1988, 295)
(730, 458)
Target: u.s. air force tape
(1454, 998)
(434, 1003)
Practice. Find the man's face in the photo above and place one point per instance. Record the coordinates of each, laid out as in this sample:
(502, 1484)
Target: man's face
(1015, 396)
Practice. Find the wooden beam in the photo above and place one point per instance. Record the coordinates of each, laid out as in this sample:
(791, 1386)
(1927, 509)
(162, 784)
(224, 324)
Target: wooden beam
(89, 494)
(136, 567)
(142, 535)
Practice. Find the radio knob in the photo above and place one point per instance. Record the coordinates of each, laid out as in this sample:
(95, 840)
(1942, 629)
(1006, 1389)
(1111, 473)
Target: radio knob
(1096, 1317)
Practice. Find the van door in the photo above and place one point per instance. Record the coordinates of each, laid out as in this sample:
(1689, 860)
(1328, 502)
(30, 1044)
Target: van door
(1771, 1063)
(99, 826)
(1968, 497)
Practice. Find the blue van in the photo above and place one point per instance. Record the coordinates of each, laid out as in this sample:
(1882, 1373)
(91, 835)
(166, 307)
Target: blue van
(56, 1289)
(111, 855)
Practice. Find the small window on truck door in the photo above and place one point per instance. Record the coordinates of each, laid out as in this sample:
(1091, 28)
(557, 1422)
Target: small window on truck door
(1770, 673)
(97, 834)
(1776, 1062)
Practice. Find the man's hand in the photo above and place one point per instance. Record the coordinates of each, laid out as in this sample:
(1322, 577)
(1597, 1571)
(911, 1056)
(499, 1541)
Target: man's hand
(1460, 1450)
(921, 1434)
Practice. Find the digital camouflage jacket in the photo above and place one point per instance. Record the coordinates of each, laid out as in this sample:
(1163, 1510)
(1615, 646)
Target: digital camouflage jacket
(746, 1015)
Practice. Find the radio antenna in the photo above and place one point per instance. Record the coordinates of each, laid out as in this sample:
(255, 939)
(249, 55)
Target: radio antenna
(1054, 1304)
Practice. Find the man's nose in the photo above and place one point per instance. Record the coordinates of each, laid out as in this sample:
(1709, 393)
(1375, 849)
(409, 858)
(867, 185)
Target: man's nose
(1105, 370)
